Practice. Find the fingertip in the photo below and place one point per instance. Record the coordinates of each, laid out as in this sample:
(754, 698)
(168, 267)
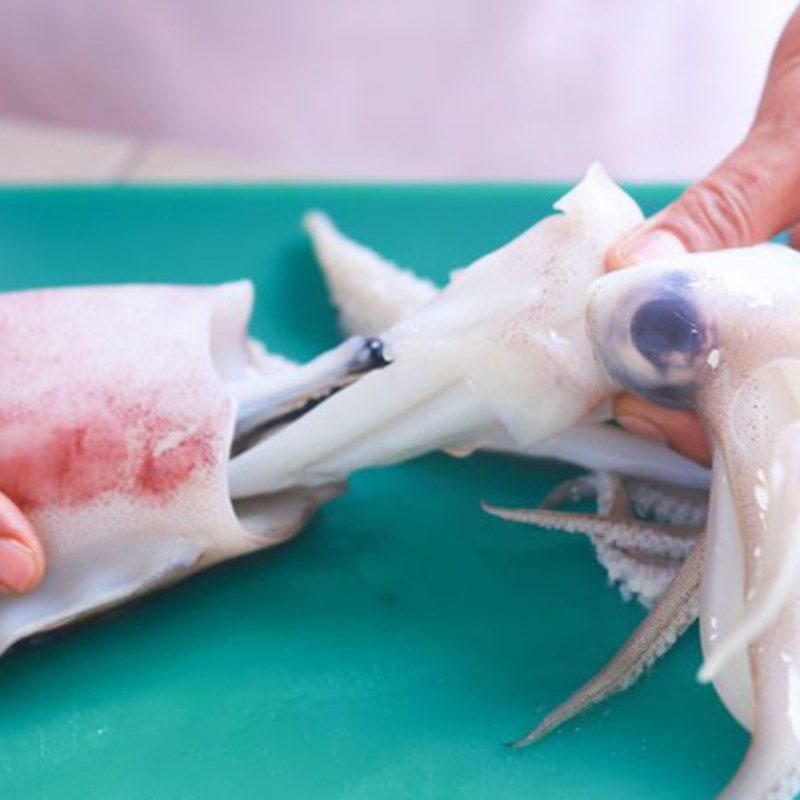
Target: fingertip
(640, 425)
(680, 430)
(641, 246)
(627, 404)
(615, 259)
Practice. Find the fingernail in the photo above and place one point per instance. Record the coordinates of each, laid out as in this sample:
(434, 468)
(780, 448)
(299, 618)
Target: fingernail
(640, 426)
(17, 567)
(650, 246)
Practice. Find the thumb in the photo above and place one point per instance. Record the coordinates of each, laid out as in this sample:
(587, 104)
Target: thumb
(22, 559)
(753, 195)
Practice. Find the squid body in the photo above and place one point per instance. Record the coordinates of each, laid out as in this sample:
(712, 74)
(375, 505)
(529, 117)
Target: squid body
(118, 407)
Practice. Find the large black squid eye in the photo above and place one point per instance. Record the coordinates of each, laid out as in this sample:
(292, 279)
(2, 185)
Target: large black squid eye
(668, 332)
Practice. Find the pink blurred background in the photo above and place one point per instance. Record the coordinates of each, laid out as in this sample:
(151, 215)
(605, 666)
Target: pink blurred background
(411, 89)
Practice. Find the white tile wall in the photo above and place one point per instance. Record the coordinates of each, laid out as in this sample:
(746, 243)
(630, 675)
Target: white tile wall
(33, 153)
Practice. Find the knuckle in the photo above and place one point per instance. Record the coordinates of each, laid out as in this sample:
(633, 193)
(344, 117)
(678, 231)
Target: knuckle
(720, 210)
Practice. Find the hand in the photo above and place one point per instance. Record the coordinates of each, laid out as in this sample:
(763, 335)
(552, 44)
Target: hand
(21, 555)
(751, 196)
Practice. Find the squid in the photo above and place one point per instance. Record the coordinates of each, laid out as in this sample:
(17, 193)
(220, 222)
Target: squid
(134, 419)
(119, 410)
(500, 358)
(522, 352)
(164, 440)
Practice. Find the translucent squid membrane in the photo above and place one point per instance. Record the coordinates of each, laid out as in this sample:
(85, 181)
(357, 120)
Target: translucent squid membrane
(118, 407)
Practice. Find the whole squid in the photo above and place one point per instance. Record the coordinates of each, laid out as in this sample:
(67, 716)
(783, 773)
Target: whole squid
(523, 351)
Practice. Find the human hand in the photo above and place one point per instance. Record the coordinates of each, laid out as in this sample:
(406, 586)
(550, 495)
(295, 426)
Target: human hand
(751, 196)
(22, 559)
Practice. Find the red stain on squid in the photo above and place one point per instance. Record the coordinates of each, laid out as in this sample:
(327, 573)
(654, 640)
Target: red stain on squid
(168, 459)
(115, 451)
(61, 465)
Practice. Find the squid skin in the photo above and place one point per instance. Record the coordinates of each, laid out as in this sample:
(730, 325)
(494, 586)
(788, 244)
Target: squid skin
(117, 408)
(718, 332)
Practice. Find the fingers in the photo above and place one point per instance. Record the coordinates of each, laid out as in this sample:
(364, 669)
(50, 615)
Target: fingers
(680, 430)
(22, 560)
(753, 195)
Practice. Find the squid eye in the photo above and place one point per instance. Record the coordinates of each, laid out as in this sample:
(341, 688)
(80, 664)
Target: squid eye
(654, 331)
(668, 332)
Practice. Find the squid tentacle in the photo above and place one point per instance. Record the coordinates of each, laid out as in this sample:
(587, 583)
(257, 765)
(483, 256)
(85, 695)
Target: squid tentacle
(675, 541)
(671, 552)
(641, 557)
(638, 574)
(669, 503)
(671, 616)
(574, 490)
(665, 503)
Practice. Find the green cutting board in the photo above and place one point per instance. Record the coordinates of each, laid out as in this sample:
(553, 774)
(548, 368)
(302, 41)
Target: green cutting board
(391, 649)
